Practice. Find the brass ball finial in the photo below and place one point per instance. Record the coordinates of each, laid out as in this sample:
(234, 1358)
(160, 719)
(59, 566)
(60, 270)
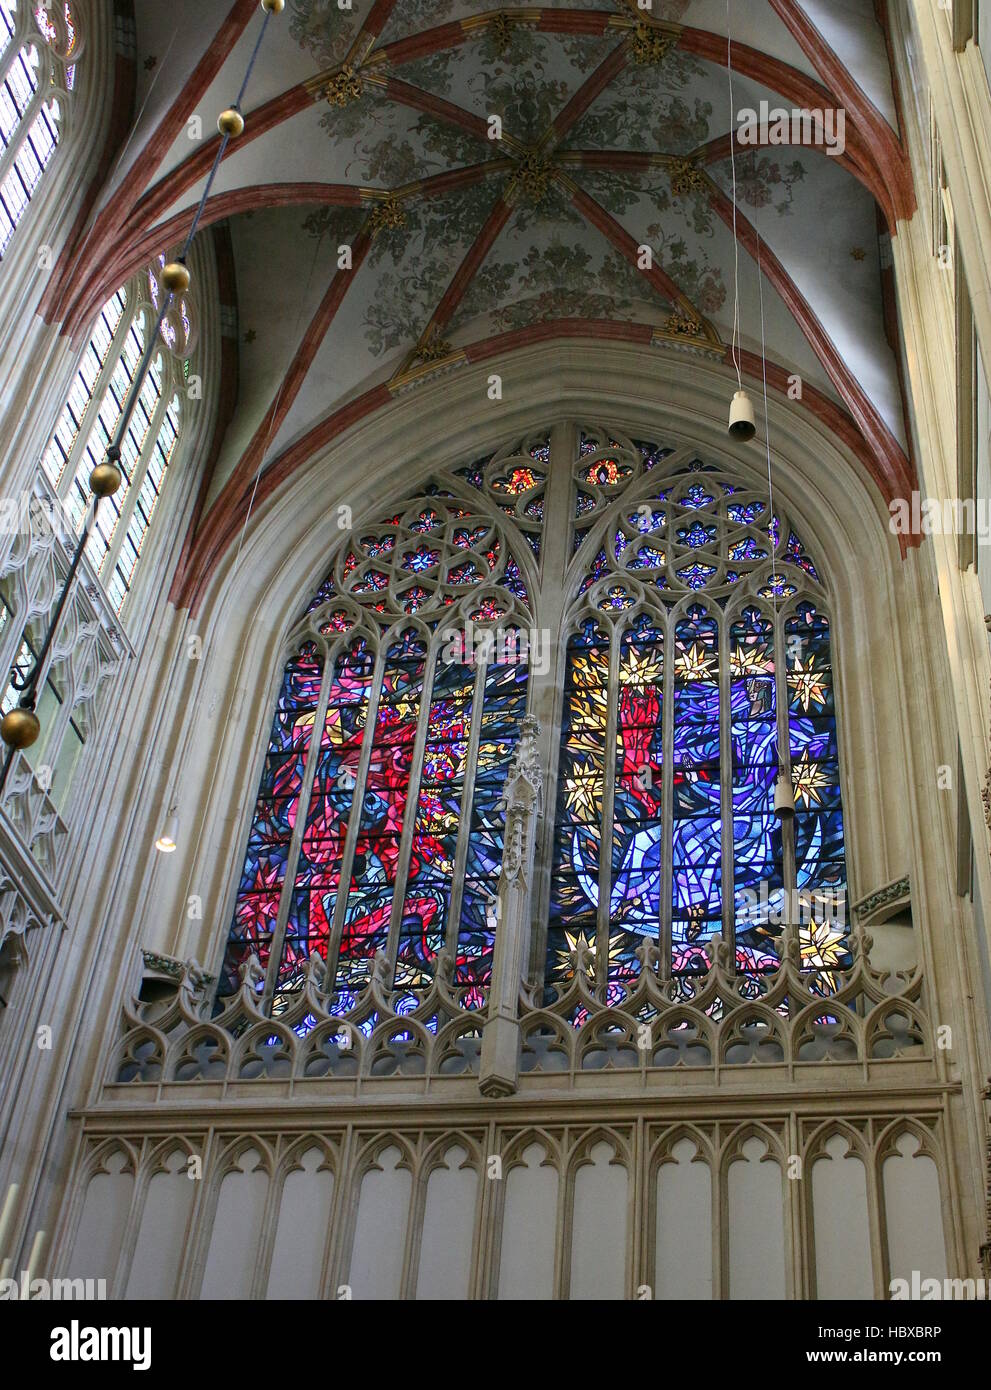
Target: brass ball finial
(175, 277)
(104, 479)
(19, 728)
(231, 122)
(274, 6)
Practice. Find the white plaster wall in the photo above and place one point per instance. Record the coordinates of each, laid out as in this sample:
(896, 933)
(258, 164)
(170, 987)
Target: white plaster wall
(448, 1227)
(230, 1264)
(913, 1210)
(102, 1222)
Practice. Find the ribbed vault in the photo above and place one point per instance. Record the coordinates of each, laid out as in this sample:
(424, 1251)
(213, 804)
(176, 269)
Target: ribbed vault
(424, 186)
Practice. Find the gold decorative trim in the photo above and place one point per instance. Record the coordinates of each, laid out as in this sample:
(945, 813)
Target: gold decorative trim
(344, 87)
(434, 349)
(687, 177)
(649, 45)
(682, 325)
(389, 215)
(531, 177)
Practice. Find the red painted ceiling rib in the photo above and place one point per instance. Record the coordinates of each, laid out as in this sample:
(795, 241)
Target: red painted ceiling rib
(894, 463)
(302, 361)
(256, 197)
(226, 518)
(874, 155)
(108, 222)
(889, 154)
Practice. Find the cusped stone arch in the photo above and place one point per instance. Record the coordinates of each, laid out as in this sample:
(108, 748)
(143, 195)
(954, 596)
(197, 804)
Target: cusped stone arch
(96, 1157)
(608, 1042)
(752, 1033)
(922, 1132)
(581, 1146)
(139, 1056)
(855, 1137)
(547, 1043)
(436, 1149)
(399, 1047)
(731, 1143)
(234, 1150)
(515, 1145)
(204, 1053)
(264, 1051)
(663, 1144)
(156, 1156)
(684, 1037)
(897, 1027)
(322, 1053)
(290, 1158)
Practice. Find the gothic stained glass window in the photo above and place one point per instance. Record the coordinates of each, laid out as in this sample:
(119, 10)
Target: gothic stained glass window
(696, 661)
(37, 72)
(387, 836)
(699, 642)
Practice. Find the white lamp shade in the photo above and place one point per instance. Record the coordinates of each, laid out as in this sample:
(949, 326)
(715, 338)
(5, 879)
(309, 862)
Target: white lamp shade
(169, 837)
(784, 797)
(742, 425)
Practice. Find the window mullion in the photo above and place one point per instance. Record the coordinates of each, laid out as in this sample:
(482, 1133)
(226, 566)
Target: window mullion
(137, 479)
(667, 800)
(784, 761)
(99, 390)
(545, 693)
(727, 868)
(19, 134)
(467, 800)
(412, 801)
(608, 810)
(295, 844)
(18, 42)
(354, 822)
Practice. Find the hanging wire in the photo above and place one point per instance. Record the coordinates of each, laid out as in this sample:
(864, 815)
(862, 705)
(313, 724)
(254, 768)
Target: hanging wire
(767, 436)
(27, 682)
(735, 349)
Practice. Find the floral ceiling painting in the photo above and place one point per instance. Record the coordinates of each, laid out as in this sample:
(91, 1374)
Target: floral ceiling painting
(436, 177)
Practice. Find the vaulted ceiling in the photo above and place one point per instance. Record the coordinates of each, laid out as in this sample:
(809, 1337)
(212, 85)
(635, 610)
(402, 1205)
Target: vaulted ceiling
(371, 128)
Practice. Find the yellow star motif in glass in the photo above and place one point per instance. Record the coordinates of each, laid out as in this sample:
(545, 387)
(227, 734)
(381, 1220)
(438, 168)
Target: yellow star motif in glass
(696, 663)
(808, 778)
(641, 667)
(808, 684)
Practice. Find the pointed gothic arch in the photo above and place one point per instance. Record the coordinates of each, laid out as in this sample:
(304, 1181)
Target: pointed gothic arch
(689, 634)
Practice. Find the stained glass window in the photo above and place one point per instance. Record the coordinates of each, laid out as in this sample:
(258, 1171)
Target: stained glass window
(695, 664)
(385, 834)
(37, 72)
(90, 417)
(699, 643)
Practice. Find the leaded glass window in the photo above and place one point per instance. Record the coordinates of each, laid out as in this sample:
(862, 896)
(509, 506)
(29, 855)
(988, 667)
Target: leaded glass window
(688, 637)
(38, 45)
(92, 412)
